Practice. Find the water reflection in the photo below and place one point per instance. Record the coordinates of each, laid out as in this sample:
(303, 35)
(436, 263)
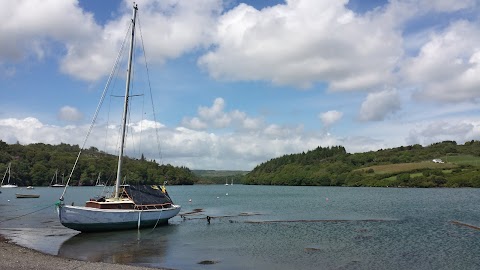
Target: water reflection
(125, 247)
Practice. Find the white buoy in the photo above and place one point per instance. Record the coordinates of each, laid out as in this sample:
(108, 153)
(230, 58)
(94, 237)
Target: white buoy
(226, 194)
(189, 200)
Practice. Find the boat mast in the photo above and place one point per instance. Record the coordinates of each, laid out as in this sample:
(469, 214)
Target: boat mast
(125, 107)
(7, 171)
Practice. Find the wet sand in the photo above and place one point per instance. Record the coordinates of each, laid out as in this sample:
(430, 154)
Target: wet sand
(15, 257)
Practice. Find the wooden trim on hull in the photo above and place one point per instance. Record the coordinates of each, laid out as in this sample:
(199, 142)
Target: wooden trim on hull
(125, 205)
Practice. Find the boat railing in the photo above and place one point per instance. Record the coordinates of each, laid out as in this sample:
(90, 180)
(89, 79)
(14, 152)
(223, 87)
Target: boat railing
(153, 206)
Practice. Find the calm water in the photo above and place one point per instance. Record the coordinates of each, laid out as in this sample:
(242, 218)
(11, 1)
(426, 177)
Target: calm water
(270, 227)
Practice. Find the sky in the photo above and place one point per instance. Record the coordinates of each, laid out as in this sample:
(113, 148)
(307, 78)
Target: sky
(237, 83)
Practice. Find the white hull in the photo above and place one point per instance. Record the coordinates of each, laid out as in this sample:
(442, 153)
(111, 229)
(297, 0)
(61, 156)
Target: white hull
(88, 219)
(9, 186)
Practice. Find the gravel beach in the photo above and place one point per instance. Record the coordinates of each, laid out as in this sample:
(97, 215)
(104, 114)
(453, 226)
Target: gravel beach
(15, 257)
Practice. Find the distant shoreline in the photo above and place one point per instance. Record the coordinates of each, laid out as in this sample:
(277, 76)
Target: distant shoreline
(16, 257)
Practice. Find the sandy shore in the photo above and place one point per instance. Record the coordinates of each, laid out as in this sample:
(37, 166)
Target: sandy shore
(14, 257)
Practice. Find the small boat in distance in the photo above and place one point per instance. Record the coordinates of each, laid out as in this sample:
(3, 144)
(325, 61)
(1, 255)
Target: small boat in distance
(98, 184)
(30, 187)
(26, 196)
(55, 179)
(9, 172)
(131, 206)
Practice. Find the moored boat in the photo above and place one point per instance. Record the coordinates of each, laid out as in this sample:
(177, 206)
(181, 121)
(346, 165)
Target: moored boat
(54, 182)
(98, 183)
(8, 172)
(131, 206)
(26, 196)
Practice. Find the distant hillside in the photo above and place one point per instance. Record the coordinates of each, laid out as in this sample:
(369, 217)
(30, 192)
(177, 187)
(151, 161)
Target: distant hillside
(406, 166)
(220, 176)
(35, 164)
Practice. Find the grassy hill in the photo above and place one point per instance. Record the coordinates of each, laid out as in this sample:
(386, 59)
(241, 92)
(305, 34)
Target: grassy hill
(405, 166)
(462, 159)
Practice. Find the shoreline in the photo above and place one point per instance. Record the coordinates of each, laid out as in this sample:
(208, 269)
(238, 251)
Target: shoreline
(16, 257)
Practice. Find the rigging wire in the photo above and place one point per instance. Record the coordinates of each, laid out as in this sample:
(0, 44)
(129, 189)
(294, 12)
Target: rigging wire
(95, 114)
(110, 99)
(151, 95)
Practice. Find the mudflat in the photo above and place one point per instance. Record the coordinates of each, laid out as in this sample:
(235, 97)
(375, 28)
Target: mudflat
(15, 257)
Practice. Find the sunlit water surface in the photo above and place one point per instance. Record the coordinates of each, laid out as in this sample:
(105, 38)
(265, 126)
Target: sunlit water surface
(269, 227)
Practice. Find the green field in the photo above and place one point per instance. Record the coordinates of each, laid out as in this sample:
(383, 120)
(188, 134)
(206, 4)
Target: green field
(462, 159)
(408, 167)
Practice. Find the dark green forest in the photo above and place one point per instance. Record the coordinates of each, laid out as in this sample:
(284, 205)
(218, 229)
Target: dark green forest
(35, 164)
(406, 166)
(219, 177)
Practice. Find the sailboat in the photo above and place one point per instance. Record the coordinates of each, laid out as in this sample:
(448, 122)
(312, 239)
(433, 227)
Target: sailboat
(131, 206)
(98, 184)
(54, 182)
(8, 171)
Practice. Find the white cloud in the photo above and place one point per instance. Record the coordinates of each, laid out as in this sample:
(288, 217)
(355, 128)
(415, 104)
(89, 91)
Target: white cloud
(34, 24)
(330, 117)
(379, 105)
(184, 25)
(71, 114)
(214, 111)
(31, 130)
(436, 131)
(88, 50)
(145, 125)
(216, 117)
(303, 42)
(28, 122)
(447, 66)
(194, 123)
(296, 43)
(168, 29)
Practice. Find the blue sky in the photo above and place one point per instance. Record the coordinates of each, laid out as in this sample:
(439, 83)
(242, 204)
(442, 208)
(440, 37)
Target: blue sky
(237, 83)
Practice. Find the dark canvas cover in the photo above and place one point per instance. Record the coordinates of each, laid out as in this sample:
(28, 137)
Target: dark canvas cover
(147, 194)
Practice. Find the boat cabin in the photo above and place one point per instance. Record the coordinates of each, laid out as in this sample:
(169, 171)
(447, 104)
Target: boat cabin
(142, 197)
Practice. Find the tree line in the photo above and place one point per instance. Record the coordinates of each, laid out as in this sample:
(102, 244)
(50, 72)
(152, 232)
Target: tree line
(36, 164)
(333, 166)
